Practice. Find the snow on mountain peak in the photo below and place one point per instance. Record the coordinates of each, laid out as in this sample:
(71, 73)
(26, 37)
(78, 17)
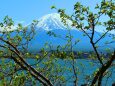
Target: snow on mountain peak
(51, 22)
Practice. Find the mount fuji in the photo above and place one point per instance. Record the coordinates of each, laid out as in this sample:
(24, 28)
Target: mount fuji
(52, 22)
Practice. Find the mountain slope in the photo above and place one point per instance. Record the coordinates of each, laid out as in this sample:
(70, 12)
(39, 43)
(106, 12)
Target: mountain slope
(52, 22)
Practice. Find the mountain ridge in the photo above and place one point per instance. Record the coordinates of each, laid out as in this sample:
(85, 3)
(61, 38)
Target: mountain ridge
(52, 22)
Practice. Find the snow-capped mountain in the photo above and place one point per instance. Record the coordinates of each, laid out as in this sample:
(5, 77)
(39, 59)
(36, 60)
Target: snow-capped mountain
(52, 22)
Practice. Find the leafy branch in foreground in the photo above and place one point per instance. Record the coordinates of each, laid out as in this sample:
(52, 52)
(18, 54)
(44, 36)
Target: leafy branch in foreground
(87, 21)
(47, 69)
(12, 48)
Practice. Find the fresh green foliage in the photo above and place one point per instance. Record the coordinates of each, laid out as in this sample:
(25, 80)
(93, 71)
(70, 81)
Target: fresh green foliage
(48, 68)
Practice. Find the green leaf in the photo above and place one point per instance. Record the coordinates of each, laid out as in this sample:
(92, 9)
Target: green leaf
(53, 7)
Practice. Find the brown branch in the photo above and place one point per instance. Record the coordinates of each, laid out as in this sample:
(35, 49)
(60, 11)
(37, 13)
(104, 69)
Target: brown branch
(101, 37)
(103, 69)
(26, 68)
(92, 42)
(97, 54)
(29, 68)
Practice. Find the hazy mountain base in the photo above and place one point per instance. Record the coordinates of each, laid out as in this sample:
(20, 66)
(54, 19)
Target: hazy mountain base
(69, 54)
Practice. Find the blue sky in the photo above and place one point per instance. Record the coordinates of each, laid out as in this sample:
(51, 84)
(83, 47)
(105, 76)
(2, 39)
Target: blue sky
(25, 11)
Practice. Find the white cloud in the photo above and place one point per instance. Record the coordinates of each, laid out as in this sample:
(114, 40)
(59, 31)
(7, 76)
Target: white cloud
(7, 28)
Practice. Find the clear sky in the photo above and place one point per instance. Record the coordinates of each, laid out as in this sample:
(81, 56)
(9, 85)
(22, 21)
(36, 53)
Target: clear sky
(25, 11)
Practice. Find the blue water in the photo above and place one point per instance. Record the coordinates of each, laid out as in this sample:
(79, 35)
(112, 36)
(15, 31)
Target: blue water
(85, 67)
